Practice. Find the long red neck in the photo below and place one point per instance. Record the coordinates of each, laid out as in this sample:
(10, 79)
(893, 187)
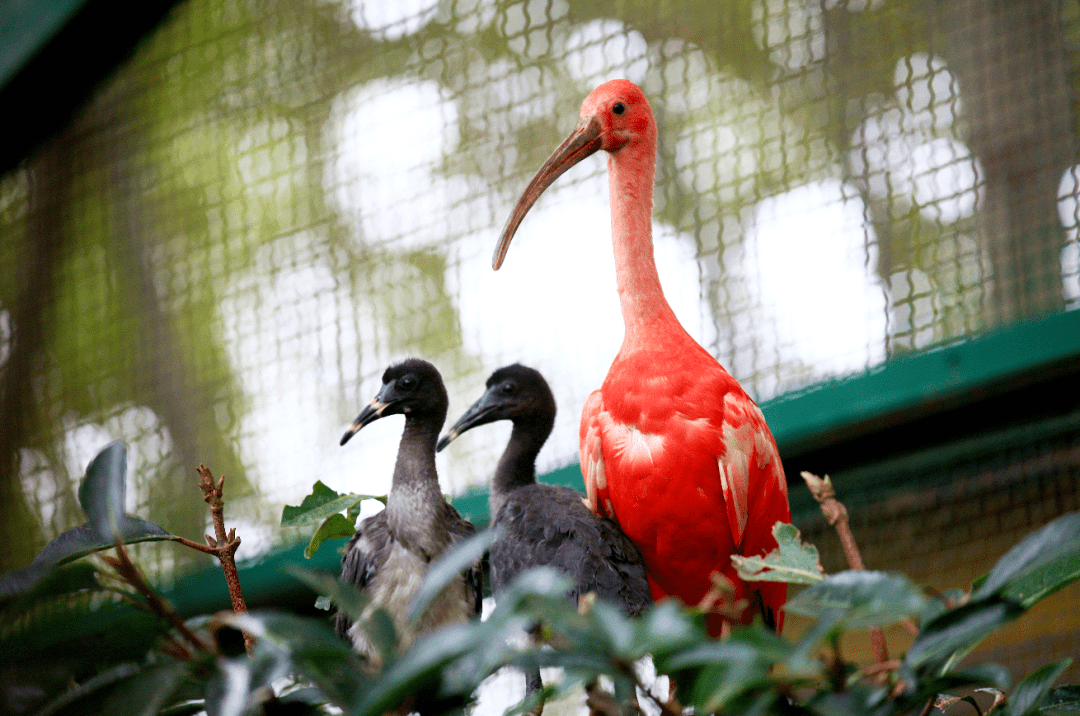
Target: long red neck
(631, 172)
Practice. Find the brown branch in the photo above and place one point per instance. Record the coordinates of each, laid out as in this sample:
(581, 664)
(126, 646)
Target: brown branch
(224, 547)
(130, 574)
(837, 516)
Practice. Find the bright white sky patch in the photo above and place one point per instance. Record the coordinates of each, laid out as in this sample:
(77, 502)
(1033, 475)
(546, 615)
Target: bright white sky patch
(603, 50)
(392, 20)
(391, 137)
(1069, 210)
(804, 260)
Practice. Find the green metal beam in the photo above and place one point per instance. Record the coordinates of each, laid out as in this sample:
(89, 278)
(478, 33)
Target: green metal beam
(907, 387)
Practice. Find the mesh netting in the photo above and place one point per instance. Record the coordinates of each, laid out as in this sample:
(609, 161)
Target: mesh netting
(272, 201)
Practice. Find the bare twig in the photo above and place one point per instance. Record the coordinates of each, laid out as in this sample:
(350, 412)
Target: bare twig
(225, 545)
(718, 600)
(837, 516)
(130, 573)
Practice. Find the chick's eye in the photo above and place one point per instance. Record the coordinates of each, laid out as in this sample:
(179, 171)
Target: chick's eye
(407, 382)
(619, 108)
(507, 388)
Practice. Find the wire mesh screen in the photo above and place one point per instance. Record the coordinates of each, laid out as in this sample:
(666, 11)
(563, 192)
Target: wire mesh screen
(274, 200)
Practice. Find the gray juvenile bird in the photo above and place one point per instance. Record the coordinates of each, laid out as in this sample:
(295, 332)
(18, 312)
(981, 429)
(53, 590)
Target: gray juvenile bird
(391, 552)
(547, 524)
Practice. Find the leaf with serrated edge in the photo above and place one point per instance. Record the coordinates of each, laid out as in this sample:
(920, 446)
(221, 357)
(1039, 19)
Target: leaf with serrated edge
(334, 526)
(316, 507)
(793, 561)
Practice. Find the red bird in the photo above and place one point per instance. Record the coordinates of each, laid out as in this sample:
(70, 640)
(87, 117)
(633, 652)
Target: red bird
(672, 447)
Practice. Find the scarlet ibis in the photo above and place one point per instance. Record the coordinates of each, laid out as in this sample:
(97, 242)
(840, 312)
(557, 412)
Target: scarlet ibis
(672, 447)
(547, 524)
(390, 553)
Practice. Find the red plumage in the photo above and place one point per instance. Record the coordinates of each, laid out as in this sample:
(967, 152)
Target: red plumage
(671, 446)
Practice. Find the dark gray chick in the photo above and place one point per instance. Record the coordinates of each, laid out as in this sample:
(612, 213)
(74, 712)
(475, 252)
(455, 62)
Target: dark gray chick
(391, 552)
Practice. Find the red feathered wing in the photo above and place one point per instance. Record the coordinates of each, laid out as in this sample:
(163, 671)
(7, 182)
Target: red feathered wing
(681, 457)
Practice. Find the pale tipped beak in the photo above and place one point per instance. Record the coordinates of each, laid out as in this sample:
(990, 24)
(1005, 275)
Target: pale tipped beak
(582, 142)
(369, 414)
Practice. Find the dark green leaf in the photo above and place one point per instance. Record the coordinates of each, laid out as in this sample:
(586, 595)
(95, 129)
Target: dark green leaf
(191, 707)
(667, 628)
(320, 504)
(73, 544)
(1062, 700)
(453, 562)
(334, 526)
(617, 629)
(420, 668)
(863, 599)
(146, 692)
(976, 675)
(1039, 564)
(956, 632)
(544, 583)
(310, 647)
(228, 691)
(103, 491)
(719, 673)
(793, 561)
(91, 687)
(1029, 692)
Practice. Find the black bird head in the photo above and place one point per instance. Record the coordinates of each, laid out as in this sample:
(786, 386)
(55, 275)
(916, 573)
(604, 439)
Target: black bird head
(413, 388)
(514, 392)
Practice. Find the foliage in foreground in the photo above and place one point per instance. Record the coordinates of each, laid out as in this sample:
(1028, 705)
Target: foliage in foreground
(298, 665)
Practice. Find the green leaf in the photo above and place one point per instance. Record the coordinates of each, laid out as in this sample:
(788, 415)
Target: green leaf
(956, 632)
(73, 544)
(453, 562)
(863, 599)
(718, 672)
(1062, 700)
(350, 600)
(1041, 563)
(334, 526)
(419, 670)
(320, 504)
(91, 687)
(308, 646)
(616, 628)
(793, 561)
(667, 628)
(1033, 688)
(103, 490)
(146, 692)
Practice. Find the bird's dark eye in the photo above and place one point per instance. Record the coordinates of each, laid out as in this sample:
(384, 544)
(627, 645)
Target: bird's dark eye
(619, 108)
(507, 388)
(407, 382)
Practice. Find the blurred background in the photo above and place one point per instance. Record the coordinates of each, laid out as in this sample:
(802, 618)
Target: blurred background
(230, 237)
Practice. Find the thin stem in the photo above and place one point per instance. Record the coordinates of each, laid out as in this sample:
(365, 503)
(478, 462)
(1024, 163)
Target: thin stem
(130, 573)
(226, 544)
(837, 516)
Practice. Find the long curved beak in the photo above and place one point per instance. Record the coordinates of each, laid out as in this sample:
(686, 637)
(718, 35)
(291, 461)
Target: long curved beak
(479, 413)
(369, 414)
(582, 142)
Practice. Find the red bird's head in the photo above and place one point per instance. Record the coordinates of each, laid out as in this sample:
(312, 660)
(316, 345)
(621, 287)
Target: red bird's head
(619, 114)
(614, 115)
